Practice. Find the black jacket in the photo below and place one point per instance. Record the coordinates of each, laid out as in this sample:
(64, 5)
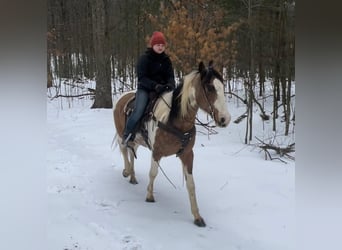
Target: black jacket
(153, 69)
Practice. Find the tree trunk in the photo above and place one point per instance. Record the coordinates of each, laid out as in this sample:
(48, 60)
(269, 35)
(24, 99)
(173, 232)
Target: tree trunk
(251, 78)
(261, 79)
(103, 93)
(49, 71)
(288, 105)
(275, 103)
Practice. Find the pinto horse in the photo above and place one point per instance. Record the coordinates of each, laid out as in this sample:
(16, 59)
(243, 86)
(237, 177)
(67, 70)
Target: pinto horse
(171, 126)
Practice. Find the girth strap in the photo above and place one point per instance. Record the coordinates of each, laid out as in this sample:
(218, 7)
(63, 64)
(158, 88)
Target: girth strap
(184, 138)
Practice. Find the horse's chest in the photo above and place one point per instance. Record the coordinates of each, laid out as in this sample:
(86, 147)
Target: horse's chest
(166, 143)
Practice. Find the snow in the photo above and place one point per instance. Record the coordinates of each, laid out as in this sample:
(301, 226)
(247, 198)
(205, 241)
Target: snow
(246, 201)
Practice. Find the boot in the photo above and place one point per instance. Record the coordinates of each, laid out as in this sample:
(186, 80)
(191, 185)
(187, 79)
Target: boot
(126, 138)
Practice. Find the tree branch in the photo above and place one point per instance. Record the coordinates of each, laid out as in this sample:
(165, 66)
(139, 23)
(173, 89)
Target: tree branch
(281, 151)
(68, 96)
(238, 97)
(240, 118)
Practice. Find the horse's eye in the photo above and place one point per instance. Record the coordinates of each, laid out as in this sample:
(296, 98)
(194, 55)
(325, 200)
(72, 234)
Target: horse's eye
(210, 88)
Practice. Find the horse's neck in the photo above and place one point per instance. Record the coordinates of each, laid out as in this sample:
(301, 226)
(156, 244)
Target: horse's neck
(162, 107)
(187, 122)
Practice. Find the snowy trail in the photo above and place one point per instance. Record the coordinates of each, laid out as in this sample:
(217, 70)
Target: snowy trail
(247, 202)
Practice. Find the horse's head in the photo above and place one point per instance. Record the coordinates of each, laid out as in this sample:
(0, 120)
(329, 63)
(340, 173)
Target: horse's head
(210, 95)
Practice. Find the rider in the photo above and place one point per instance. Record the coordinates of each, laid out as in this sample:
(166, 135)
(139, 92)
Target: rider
(155, 74)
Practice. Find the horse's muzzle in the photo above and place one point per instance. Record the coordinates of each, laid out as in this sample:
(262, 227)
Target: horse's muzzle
(223, 120)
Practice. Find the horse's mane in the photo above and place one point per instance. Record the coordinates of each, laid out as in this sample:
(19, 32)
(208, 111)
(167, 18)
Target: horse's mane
(162, 107)
(182, 96)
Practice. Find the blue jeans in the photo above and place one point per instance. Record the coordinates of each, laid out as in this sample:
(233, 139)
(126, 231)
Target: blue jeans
(141, 100)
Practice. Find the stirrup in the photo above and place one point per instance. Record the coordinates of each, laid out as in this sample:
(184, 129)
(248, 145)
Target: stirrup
(126, 144)
(125, 141)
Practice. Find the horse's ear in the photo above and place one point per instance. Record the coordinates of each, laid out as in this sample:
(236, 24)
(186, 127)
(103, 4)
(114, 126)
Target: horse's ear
(211, 64)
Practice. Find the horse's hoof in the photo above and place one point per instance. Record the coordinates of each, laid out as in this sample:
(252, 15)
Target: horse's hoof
(125, 173)
(200, 222)
(150, 199)
(133, 181)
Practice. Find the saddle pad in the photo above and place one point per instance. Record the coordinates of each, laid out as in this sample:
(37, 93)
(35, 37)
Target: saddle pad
(129, 105)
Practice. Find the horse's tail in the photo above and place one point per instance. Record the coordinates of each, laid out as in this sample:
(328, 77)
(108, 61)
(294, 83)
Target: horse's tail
(114, 141)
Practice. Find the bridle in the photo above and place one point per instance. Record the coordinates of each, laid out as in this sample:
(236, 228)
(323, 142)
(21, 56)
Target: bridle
(211, 113)
(206, 80)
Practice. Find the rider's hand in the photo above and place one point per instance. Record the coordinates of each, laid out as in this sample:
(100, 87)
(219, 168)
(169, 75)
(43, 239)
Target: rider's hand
(160, 88)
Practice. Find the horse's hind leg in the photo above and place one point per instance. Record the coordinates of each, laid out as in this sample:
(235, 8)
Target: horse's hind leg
(187, 162)
(153, 174)
(128, 158)
(132, 180)
(125, 171)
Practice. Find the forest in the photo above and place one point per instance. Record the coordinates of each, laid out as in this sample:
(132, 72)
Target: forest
(252, 41)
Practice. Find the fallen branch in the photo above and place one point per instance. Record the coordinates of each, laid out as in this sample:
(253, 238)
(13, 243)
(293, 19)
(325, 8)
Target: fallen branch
(240, 118)
(76, 83)
(281, 151)
(70, 96)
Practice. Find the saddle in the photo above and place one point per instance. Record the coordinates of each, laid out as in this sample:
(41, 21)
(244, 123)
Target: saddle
(148, 113)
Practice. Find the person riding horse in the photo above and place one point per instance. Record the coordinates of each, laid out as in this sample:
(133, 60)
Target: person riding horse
(172, 128)
(155, 75)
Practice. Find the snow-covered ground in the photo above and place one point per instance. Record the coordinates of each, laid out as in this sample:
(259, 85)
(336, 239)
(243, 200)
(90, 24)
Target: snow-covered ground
(246, 201)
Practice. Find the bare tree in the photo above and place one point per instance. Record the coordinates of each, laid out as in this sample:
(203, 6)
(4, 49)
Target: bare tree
(251, 39)
(103, 94)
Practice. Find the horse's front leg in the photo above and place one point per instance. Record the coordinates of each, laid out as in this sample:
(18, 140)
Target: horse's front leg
(153, 174)
(187, 162)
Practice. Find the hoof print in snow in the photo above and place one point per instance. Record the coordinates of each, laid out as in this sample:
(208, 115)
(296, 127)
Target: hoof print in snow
(130, 243)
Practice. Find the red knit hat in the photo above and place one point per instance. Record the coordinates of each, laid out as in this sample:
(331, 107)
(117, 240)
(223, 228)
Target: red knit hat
(157, 38)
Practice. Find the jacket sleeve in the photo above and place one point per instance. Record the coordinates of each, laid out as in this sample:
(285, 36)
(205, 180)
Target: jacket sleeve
(143, 80)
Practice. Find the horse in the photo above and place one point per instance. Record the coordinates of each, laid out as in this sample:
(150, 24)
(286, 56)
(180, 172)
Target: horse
(170, 128)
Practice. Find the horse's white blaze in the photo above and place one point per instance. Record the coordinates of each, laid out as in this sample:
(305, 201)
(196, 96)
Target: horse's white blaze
(220, 103)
